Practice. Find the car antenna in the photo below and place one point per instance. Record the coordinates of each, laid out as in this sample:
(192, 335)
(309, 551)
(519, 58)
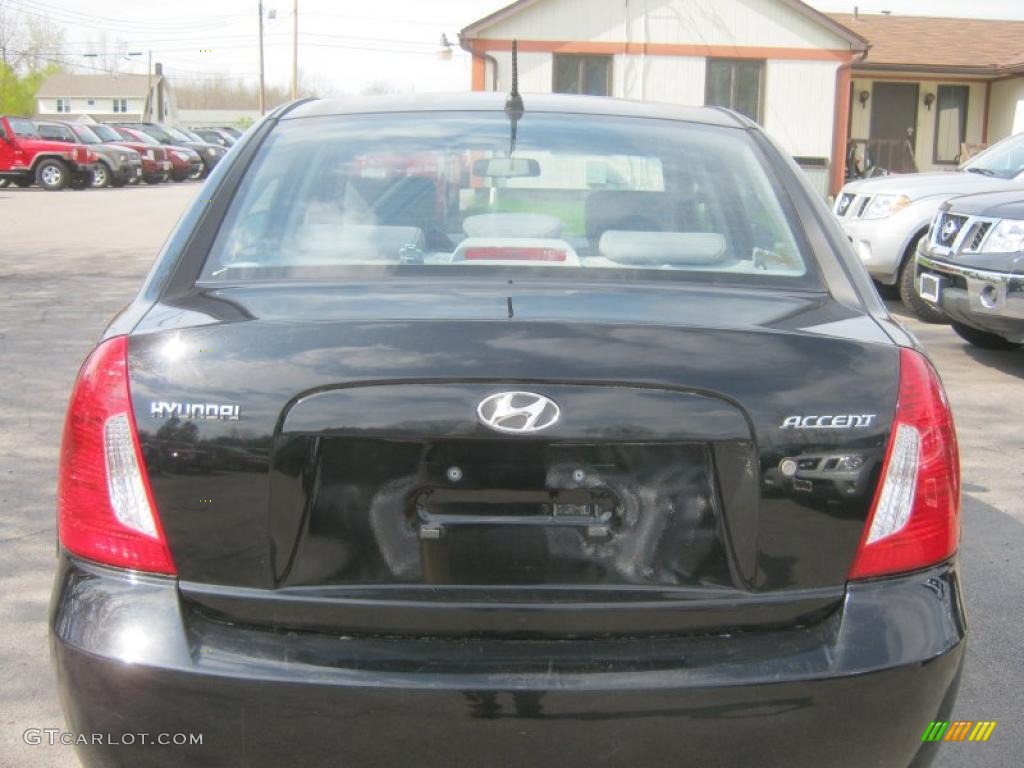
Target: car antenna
(514, 103)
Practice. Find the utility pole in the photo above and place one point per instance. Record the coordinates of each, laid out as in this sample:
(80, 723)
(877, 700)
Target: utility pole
(263, 95)
(148, 109)
(295, 49)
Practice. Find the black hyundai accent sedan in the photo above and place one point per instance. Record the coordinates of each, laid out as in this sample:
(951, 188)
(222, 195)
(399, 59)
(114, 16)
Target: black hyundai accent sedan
(568, 434)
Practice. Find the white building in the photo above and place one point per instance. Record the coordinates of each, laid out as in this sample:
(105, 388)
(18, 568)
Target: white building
(784, 64)
(106, 97)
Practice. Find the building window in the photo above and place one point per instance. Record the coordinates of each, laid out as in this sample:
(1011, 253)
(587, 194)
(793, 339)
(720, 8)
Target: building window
(737, 84)
(590, 75)
(950, 122)
(63, 105)
(120, 105)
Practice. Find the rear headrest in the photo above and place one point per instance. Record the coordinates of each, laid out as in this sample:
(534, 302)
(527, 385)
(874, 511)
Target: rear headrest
(636, 211)
(512, 225)
(663, 248)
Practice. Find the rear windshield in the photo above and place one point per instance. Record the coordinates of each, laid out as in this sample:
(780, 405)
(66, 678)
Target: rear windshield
(603, 197)
(22, 127)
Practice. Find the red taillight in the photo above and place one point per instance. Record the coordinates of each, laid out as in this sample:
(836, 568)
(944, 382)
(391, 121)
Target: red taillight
(506, 253)
(105, 510)
(915, 518)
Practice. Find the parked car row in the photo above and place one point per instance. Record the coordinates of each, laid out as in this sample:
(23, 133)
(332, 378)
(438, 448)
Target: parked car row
(951, 243)
(55, 154)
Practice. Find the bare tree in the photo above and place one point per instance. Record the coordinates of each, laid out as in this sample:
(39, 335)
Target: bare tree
(380, 87)
(29, 52)
(106, 55)
(233, 93)
(28, 44)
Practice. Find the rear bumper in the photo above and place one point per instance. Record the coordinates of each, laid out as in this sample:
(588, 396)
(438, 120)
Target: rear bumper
(857, 689)
(185, 169)
(127, 171)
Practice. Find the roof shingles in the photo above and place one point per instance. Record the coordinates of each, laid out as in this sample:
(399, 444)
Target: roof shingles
(96, 86)
(986, 45)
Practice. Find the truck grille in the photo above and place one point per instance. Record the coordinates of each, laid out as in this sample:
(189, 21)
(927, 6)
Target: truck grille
(977, 235)
(947, 229)
(844, 203)
(959, 233)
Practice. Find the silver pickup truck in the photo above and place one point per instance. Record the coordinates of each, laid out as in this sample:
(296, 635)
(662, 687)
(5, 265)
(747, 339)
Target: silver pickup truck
(885, 217)
(972, 267)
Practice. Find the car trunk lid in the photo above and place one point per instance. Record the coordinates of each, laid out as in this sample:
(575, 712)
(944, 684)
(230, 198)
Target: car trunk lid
(356, 489)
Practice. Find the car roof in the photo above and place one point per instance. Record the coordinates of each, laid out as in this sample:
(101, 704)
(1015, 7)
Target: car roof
(493, 101)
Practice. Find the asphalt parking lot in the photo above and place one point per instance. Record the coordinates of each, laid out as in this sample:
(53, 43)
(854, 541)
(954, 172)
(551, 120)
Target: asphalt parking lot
(69, 260)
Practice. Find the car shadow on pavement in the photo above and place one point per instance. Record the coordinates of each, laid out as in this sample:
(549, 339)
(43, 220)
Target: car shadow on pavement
(1006, 361)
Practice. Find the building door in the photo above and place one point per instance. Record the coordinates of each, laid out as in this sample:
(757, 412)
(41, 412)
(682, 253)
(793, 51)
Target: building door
(950, 123)
(893, 125)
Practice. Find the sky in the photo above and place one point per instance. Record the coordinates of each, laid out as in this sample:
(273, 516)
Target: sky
(345, 46)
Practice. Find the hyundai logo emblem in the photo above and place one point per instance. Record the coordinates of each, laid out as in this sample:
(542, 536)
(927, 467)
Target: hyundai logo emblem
(518, 412)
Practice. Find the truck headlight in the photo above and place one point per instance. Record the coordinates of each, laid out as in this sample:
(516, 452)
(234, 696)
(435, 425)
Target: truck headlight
(1006, 237)
(882, 206)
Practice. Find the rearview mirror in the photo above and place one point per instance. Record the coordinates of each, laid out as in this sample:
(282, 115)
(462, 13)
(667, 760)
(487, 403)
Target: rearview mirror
(506, 167)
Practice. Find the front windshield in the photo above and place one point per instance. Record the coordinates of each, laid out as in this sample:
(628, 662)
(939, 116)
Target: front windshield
(1004, 160)
(591, 196)
(179, 135)
(155, 132)
(142, 136)
(84, 135)
(106, 133)
(22, 127)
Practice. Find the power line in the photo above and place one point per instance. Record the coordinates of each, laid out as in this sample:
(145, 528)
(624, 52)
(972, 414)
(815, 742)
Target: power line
(106, 23)
(144, 41)
(382, 20)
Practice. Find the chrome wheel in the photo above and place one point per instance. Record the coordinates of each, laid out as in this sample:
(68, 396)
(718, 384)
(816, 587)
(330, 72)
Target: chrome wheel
(51, 175)
(100, 176)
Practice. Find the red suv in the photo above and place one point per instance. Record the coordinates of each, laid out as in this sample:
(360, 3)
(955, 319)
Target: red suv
(155, 165)
(185, 163)
(26, 157)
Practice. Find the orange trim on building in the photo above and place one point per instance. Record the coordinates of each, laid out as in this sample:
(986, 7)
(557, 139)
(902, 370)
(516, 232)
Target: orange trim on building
(664, 49)
(840, 129)
(984, 121)
(479, 75)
